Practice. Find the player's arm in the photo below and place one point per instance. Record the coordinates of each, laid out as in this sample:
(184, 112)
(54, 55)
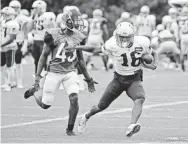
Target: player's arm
(48, 46)
(43, 59)
(87, 48)
(11, 33)
(9, 39)
(82, 65)
(105, 30)
(154, 62)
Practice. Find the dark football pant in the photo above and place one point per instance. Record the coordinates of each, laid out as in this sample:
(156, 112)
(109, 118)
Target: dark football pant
(8, 58)
(37, 51)
(18, 54)
(131, 84)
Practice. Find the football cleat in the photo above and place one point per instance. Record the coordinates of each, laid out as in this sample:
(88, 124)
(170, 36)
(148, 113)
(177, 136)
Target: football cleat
(30, 92)
(70, 132)
(82, 124)
(132, 129)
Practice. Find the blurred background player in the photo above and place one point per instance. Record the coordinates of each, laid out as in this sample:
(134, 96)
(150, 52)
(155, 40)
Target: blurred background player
(183, 22)
(144, 22)
(42, 21)
(98, 32)
(125, 17)
(21, 39)
(10, 29)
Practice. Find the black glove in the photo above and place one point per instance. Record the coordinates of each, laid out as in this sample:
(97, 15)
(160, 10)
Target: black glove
(91, 85)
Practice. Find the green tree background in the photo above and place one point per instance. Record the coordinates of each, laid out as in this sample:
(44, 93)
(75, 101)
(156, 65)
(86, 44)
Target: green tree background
(112, 8)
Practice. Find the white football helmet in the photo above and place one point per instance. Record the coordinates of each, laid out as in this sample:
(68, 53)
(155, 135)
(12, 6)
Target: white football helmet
(16, 5)
(125, 15)
(48, 19)
(24, 12)
(166, 21)
(39, 6)
(160, 27)
(184, 13)
(155, 33)
(173, 13)
(84, 16)
(124, 34)
(8, 13)
(97, 13)
(145, 10)
(66, 8)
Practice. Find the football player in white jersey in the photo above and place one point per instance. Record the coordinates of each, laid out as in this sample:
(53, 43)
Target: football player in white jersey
(25, 12)
(171, 25)
(128, 52)
(62, 66)
(144, 22)
(42, 21)
(183, 23)
(9, 31)
(21, 39)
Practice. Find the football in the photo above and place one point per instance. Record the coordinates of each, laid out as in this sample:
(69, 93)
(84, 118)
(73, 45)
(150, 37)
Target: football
(147, 58)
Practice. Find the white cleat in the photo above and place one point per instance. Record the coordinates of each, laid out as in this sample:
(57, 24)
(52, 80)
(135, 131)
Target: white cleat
(82, 124)
(132, 129)
(7, 88)
(20, 86)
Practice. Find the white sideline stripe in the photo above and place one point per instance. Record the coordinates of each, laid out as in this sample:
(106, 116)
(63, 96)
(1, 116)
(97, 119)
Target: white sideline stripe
(108, 112)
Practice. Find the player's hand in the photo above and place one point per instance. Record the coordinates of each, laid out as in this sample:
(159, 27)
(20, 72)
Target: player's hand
(35, 87)
(91, 85)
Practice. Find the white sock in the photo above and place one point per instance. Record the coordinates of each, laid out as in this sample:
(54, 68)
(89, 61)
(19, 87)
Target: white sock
(19, 74)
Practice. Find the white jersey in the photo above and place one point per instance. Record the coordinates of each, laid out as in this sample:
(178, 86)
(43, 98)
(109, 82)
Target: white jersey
(145, 26)
(22, 21)
(41, 24)
(127, 60)
(183, 26)
(9, 27)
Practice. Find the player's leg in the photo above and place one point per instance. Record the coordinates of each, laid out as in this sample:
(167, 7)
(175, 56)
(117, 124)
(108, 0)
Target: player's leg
(71, 86)
(3, 69)
(137, 94)
(36, 52)
(10, 58)
(51, 85)
(19, 69)
(184, 52)
(113, 90)
(105, 61)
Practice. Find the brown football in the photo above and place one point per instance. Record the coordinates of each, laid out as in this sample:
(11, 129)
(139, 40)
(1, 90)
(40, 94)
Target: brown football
(147, 58)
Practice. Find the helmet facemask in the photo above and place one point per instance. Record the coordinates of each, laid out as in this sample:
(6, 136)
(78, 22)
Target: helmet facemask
(124, 41)
(74, 22)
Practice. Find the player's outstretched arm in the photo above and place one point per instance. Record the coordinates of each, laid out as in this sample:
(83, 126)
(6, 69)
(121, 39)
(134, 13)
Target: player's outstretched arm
(87, 48)
(9, 39)
(154, 63)
(82, 65)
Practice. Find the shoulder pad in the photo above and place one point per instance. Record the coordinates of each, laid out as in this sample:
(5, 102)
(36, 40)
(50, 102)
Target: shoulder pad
(110, 44)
